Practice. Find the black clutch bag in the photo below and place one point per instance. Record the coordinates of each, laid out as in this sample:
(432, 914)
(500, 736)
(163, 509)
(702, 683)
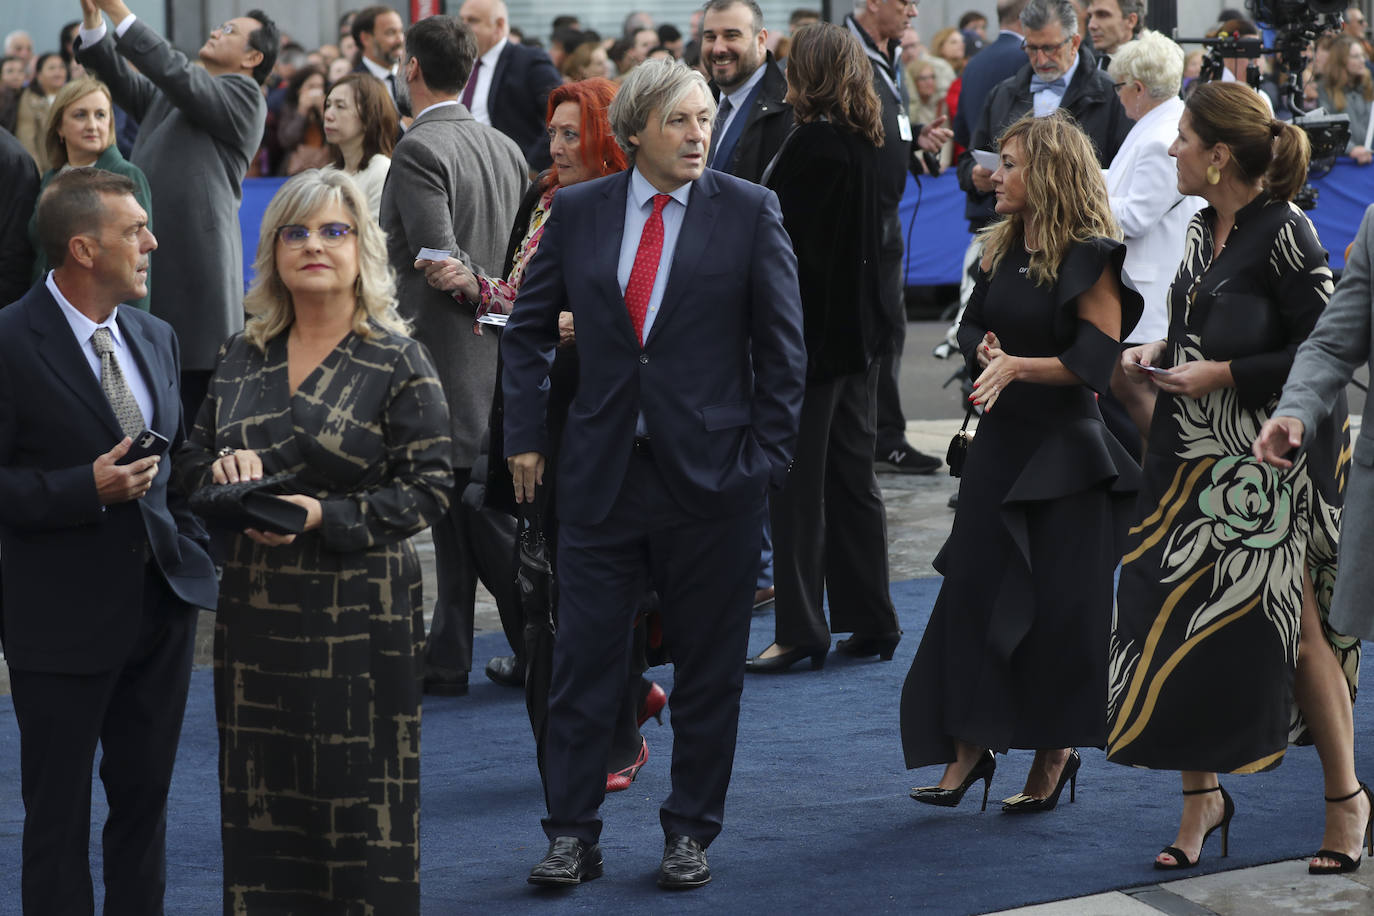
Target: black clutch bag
(958, 447)
(250, 504)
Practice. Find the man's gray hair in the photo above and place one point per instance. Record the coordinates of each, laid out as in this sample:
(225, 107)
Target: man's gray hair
(653, 86)
(1039, 14)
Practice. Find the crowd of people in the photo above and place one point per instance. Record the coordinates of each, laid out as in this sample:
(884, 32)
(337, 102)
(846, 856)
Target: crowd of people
(634, 304)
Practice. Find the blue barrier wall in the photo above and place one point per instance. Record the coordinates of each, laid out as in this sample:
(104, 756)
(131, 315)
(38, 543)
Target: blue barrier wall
(939, 235)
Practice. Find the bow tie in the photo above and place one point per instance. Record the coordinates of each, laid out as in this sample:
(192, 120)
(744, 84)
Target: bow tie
(1059, 84)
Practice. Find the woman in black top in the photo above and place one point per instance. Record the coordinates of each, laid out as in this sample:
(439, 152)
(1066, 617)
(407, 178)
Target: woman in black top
(1226, 582)
(829, 527)
(1015, 654)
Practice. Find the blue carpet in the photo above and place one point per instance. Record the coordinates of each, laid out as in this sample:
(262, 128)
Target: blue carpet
(817, 817)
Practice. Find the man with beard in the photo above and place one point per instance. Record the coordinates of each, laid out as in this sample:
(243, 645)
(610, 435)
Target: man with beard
(380, 38)
(752, 118)
(454, 185)
(879, 26)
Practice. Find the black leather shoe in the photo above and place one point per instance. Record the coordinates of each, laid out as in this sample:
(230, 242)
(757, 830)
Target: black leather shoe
(684, 864)
(777, 663)
(507, 671)
(569, 861)
(863, 646)
(445, 682)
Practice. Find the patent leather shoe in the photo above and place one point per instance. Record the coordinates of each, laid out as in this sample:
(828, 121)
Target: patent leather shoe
(784, 660)
(651, 707)
(1029, 804)
(507, 671)
(569, 861)
(863, 646)
(684, 864)
(950, 798)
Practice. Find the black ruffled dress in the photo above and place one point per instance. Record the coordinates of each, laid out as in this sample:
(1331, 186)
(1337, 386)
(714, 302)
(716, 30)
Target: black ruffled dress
(1015, 654)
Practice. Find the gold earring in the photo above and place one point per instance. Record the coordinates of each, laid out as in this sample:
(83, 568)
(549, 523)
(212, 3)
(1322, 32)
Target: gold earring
(1213, 175)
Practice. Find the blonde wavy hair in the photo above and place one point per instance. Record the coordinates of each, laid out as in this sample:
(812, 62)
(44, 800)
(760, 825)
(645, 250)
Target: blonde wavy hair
(1065, 192)
(269, 301)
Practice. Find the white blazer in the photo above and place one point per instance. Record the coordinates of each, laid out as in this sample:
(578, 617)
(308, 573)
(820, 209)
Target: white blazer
(1142, 187)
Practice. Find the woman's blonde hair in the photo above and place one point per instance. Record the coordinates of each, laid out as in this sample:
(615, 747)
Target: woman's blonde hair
(268, 300)
(76, 89)
(1065, 191)
(938, 42)
(829, 76)
(1336, 78)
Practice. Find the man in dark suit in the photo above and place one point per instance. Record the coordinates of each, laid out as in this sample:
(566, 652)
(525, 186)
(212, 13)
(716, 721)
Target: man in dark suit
(752, 119)
(103, 656)
(997, 60)
(380, 37)
(689, 336)
(199, 127)
(510, 83)
(20, 190)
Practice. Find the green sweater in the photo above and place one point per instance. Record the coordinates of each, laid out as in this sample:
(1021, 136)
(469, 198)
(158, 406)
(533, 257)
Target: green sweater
(111, 161)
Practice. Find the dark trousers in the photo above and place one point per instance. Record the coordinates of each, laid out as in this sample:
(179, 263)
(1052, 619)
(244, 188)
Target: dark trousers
(455, 569)
(134, 713)
(829, 525)
(891, 420)
(704, 572)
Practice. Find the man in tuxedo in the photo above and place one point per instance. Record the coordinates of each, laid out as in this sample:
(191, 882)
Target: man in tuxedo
(510, 84)
(454, 185)
(199, 127)
(380, 37)
(689, 334)
(753, 117)
(103, 656)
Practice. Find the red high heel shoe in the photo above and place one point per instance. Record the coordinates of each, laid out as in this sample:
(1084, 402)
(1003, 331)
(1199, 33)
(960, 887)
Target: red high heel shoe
(620, 780)
(652, 706)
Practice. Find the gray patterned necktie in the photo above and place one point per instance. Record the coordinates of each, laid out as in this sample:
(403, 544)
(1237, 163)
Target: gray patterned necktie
(116, 389)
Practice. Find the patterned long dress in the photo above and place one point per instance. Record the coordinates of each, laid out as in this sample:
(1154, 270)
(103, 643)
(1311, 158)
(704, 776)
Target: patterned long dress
(318, 642)
(1205, 640)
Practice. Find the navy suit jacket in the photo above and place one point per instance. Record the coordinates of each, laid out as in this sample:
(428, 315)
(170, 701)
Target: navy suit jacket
(518, 100)
(720, 378)
(74, 571)
(994, 63)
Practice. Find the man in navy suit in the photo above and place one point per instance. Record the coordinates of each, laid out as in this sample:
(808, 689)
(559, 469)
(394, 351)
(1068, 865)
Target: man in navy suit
(509, 86)
(689, 337)
(103, 566)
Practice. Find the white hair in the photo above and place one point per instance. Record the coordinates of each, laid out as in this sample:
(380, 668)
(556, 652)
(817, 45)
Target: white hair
(1155, 60)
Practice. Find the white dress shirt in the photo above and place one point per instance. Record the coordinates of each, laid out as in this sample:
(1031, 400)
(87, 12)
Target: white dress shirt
(84, 329)
(480, 92)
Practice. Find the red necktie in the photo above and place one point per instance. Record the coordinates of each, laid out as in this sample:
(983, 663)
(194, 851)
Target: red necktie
(471, 86)
(642, 275)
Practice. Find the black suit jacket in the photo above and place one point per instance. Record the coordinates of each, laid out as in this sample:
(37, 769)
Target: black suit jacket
(518, 100)
(18, 195)
(769, 120)
(74, 570)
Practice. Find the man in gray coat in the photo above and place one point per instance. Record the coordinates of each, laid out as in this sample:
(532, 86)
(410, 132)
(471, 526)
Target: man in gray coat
(1341, 342)
(199, 127)
(454, 186)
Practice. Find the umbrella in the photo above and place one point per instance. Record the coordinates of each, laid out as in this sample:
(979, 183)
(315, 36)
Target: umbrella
(534, 582)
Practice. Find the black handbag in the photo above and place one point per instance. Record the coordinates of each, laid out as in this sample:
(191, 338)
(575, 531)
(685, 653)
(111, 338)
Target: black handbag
(958, 446)
(250, 504)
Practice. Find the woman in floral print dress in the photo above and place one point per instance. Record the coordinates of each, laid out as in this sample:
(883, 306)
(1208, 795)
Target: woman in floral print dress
(1225, 585)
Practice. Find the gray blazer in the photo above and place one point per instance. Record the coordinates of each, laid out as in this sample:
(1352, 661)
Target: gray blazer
(197, 133)
(454, 184)
(1341, 342)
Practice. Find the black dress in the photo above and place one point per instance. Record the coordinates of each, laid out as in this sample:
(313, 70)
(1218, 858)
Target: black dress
(1210, 602)
(318, 642)
(1015, 654)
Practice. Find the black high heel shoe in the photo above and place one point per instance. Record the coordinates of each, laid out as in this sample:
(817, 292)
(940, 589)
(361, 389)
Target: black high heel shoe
(781, 662)
(1345, 863)
(949, 798)
(1228, 811)
(1029, 804)
(863, 646)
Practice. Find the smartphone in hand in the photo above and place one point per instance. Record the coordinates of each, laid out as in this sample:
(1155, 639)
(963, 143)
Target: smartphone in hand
(145, 443)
